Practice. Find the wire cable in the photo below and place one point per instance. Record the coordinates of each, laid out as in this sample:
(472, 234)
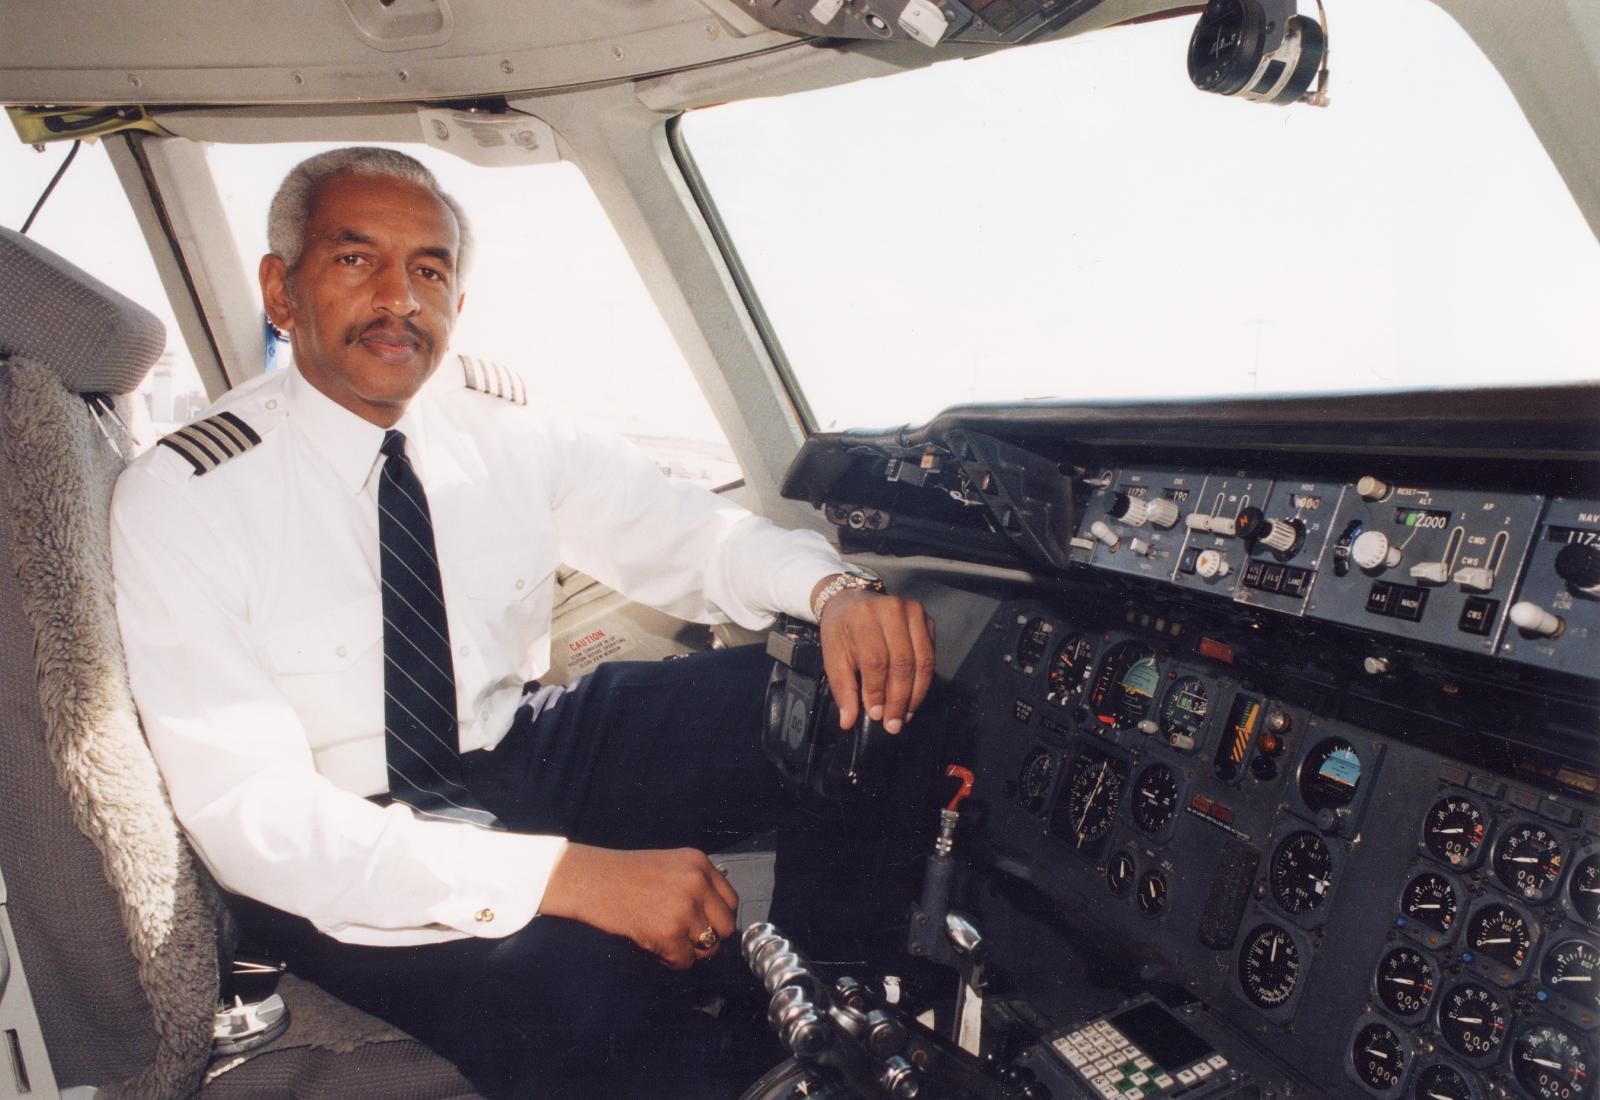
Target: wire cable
(51, 186)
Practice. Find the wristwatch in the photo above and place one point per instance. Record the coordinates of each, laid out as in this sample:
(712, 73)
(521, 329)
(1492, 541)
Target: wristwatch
(838, 585)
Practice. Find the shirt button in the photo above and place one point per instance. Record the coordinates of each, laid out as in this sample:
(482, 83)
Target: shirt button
(340, 652)
(272, 404)
(483, 916)
(464, 650)
(520, 583)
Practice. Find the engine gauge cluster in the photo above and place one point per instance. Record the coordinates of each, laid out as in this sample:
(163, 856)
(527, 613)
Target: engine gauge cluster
(1405, 983)
(1454, 830)
(1473, 1019)
(1500, 938)
(1528, 861)
(1379, 1056)
(1430, 905)
(1583, 889)
(1549, 1063)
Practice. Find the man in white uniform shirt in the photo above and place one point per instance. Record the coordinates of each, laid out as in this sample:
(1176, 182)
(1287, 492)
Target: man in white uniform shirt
(493, 882)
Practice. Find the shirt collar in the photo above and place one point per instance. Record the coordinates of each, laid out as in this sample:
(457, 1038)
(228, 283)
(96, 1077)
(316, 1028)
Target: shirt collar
(347, 442)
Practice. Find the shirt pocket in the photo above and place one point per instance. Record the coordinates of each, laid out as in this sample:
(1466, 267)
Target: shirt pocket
(510, 595)
(330, 667)
(328, 641)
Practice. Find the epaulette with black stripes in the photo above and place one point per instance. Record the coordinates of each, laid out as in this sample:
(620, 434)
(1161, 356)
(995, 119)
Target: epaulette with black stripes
(207, 444)
(493, 379)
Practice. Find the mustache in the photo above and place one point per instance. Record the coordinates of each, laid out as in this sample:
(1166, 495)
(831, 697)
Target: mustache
(398, 331)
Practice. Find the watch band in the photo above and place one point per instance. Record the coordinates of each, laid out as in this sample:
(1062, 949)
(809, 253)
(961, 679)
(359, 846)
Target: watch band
(838, 585)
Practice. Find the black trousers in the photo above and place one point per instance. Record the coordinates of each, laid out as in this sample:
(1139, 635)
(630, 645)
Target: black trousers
(637, 755)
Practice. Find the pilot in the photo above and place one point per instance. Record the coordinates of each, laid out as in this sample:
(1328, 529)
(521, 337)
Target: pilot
(335, 594)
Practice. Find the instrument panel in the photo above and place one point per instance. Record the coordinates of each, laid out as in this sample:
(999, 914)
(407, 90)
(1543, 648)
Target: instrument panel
(1497, 572)
(1373, 912)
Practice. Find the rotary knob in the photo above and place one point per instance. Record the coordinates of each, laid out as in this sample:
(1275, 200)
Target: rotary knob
(1163, 513)
(1371, 550)
(1579, 565)
(1210, 564)
(1372, 488)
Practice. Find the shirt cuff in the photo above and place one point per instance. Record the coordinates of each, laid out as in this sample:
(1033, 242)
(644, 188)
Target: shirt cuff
(793, 582)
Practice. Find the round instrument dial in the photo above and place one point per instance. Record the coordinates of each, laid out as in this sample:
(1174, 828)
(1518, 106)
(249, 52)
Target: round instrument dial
(1550, 1064)
(1442, 1082)
(1431, 900)
(1528, 861)
(1472, 1021)
(1152, 893)
(1379, 1056)
(1033, 784)
(1125, 686)
(1269, 966)
(1070, 670)
(1301, 873)
(1155, 798)
(1183, 711)
(1583, 888)
(1331, 775)
(1572, 969)
(1405, 982)
(1119, 873)
(1500, 933)
(1089, 809)
(1036, 635)
(1453, 831)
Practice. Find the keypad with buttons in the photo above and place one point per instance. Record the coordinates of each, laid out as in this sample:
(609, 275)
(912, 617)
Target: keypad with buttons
(1116, 1069)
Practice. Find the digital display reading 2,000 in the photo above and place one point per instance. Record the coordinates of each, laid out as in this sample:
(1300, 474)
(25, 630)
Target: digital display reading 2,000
(1428, 519)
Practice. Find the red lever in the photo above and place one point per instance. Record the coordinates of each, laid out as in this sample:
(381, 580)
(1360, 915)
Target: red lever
(966, 777)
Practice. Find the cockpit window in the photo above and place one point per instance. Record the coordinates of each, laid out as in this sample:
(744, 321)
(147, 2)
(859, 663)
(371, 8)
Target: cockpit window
(1074, 220)
(88, 221)
(551, 293)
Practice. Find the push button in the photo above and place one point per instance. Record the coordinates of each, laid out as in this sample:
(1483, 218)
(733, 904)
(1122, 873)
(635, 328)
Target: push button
(1477, 615)
(1380, 599)
(1294, 581)
(1252, 573)
(1408, 603)
(1271, 578)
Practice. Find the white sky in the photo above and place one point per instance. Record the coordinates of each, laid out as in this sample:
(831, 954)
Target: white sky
(1071, 219)
(1076, 220)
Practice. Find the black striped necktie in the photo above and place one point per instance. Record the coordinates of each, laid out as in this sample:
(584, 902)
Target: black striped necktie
(419, 683)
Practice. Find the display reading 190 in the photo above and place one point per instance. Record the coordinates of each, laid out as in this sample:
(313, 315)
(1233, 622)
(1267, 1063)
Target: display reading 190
(1427, 519)
(1572, 536)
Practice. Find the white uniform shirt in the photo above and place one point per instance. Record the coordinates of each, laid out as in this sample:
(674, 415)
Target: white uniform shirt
(251, 610)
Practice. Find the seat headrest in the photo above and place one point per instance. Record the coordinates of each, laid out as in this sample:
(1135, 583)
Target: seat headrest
(63, 318)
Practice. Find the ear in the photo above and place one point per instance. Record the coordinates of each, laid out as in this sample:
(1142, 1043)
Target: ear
(460, 301)
(275, 291)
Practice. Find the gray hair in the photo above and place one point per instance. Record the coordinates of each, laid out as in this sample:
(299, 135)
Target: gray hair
(291, 206)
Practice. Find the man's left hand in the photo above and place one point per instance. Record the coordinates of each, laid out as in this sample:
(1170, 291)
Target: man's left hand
(878, 653)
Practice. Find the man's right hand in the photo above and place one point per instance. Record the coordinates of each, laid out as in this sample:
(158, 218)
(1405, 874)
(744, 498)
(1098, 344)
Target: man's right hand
(661, 900)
